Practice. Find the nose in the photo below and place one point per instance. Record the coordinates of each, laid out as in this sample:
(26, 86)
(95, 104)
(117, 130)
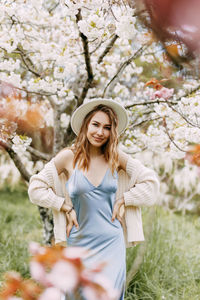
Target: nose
(100, 131)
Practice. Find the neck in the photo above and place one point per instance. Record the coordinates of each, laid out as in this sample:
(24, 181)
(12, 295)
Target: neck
(95, 151)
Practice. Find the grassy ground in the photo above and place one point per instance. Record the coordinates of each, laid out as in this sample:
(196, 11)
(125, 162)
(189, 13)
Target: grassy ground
(169, 260)
(19, 224)
(170, 268)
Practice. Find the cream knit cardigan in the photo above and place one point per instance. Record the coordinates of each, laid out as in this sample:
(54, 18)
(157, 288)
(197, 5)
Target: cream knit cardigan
(139, 186)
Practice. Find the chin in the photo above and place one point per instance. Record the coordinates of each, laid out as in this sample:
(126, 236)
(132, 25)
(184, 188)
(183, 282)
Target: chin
(97, 144)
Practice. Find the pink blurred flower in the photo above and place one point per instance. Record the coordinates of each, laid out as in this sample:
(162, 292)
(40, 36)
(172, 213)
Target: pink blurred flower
(61, 271)
(51, 293)
(35, 248)
(92, 293)
(38, 273)
(163, 93)
(98, 287)
(98, 267)
(76, 252)
(64, 276)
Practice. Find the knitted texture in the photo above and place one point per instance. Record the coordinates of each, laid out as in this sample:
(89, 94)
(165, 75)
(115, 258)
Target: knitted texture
(144, 185)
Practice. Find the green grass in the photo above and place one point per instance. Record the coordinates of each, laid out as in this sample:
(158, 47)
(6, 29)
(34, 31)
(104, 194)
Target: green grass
(169, 270)
(19, 224)
(171, 263)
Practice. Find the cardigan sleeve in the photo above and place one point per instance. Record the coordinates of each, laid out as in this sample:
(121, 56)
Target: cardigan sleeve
(41, 189)
(145, 184)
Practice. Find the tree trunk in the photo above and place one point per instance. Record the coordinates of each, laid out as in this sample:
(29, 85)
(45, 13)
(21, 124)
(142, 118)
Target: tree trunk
(47, 220)
(45, 214)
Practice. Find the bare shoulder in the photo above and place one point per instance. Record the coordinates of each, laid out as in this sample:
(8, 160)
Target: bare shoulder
(63, 160)
(123, 158)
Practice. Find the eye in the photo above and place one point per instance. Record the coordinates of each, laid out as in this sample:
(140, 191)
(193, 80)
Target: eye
(107, 128)
(95, 124)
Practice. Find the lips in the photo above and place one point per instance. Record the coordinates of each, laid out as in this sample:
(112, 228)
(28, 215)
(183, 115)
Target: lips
(98, 139)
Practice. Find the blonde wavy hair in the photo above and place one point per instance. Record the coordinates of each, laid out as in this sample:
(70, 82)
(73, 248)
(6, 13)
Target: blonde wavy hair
(109, 149)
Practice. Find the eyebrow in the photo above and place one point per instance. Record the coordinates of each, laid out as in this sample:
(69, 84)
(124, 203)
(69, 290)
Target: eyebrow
(99, 123)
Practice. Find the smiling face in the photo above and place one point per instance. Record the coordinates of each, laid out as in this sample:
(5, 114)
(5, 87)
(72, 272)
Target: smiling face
(98, 135)
(99, 127)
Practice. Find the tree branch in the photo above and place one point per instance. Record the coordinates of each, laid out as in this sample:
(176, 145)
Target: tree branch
(143, 122)
(45, 213)
(149, 102)
(169, 136)
(187, 94)
(90, 75)
(53, 8)
(107, 49)
(16, 159)
(184, 117)
(18, 163)
(22, 54)
(122, 67)
(170, 104)
(36, 93)
(97, 47)
(39, 154)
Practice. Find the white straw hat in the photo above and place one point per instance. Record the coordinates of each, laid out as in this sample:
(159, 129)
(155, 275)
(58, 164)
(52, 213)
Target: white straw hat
(80, 113)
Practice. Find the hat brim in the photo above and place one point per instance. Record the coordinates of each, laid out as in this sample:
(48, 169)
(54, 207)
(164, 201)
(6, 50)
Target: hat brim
(81, 112)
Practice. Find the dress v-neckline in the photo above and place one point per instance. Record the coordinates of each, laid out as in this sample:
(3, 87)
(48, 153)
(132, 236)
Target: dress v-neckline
(101, 182)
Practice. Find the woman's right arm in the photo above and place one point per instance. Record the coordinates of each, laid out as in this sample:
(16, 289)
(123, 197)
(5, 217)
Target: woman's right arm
(64, 163)
(41, 187)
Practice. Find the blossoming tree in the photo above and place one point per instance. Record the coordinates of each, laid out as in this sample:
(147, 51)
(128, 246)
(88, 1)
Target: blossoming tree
(55, 54)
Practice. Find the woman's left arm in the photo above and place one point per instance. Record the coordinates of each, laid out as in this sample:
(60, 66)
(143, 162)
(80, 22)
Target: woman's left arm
(145, 185)
(146, 188)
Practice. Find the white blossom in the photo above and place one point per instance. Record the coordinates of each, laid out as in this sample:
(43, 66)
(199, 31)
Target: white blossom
(125, 27)
(93, 27)
(161, 109)
(20, 143)
(64, 119)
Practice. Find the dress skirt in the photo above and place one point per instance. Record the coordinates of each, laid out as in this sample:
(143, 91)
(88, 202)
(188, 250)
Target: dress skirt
(94, 206)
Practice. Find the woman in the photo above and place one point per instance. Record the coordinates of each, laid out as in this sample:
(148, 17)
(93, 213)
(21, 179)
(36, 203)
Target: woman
(90, 184)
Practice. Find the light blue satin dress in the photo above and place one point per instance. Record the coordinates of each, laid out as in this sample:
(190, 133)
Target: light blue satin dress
(94, 207)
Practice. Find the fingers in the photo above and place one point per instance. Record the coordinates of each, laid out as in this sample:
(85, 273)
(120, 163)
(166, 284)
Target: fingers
(119, 218)
(69, 227)
(71, 220)
(76, 224)
(115, 210)
(74, 219)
